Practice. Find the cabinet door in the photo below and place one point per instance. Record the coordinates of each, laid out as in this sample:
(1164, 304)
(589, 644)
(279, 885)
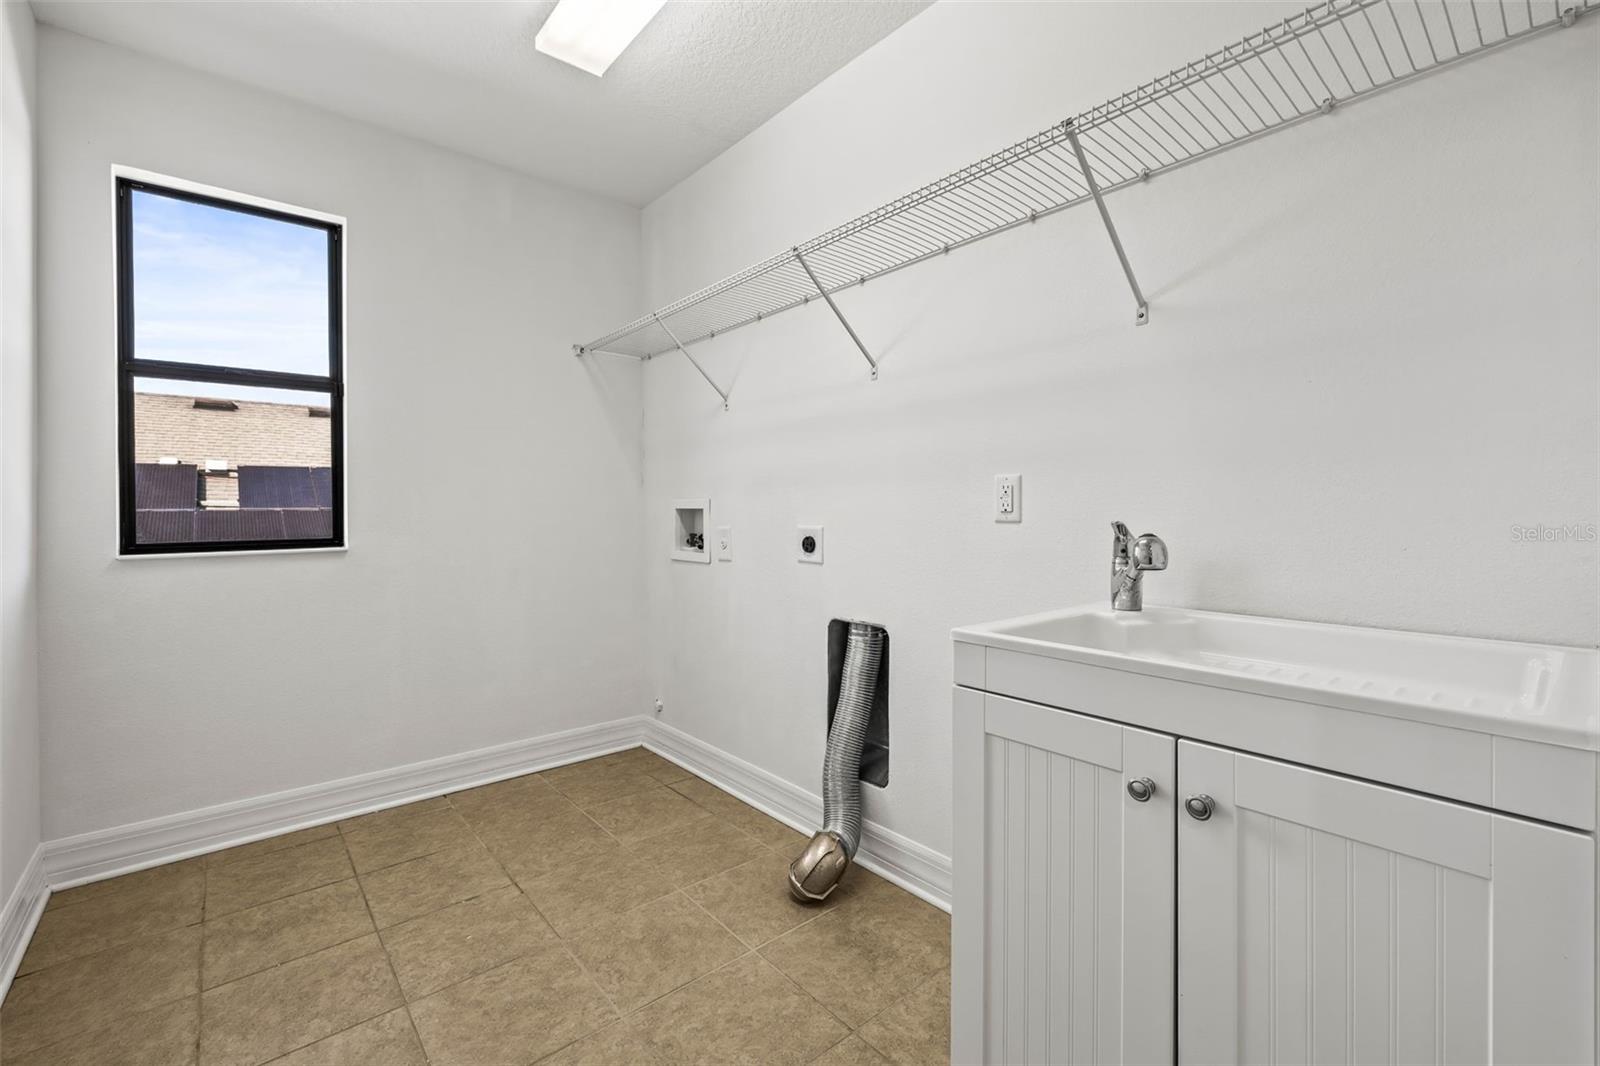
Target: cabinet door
(1322, 919)
(1064, 894)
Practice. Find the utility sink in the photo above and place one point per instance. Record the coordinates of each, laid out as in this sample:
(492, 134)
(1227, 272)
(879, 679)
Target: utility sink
(1415, 675)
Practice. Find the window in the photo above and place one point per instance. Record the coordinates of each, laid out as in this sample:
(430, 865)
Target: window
(229, 374)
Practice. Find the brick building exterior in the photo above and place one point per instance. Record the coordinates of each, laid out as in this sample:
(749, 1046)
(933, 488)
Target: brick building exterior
(208, 470)
(220, 436)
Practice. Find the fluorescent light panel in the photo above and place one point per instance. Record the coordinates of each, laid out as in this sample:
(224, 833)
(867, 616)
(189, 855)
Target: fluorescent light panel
(591, 34)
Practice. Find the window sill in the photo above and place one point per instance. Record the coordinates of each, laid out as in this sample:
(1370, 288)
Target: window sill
(142, 556)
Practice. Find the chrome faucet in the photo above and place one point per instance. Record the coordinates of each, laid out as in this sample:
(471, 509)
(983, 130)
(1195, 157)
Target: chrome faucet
(1130, 558)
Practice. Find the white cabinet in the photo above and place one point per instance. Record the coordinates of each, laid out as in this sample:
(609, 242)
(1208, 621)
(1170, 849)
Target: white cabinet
(1324, 919)
(1311, 917)
(1064, 895)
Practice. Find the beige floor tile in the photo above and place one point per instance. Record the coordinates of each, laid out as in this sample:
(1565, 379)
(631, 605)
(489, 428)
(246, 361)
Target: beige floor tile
(132, 911)
(68, 897)
(397, 893)
(96, 990)
(769, 831)
(753, 899)
(746, 1012)
(648, 762)
(647, 814)
(618, 1044)
(253, 939)
(271, 844)
(513, 1014)
(708, 796)
(514, 791)
(533, 843)
(666, 771)
(278, 1010)
(670, 773)
(387, 1040)
(700, 850)
(851, 1051)
(591, 783)
(404, 810)
(397, 839)
(160, 1036)
(773, 833)
(468, 938)
(507, 824)
(875, 956)
(629, 757)
(865, 954)
(264, 878)
(651, 950)
(574, 897)
(916, 1030)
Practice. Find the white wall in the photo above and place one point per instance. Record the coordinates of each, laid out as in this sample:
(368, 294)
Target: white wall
(475, 605)
(1372, 352)
(19, 702)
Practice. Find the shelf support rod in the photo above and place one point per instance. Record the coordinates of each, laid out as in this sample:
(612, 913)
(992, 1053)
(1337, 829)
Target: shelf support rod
(1142, 312)
(873, 363)
(693, 361)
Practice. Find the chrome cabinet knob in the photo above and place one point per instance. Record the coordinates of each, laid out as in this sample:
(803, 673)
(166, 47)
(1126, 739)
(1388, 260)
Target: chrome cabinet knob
(1141, 789)
(1199, 807)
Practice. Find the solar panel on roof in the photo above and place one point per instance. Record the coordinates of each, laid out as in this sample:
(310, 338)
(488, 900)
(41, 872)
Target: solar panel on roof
(165, 485)
(164, 527)
(322, 485)
(258, 523)
(308, 525)
(279, 486)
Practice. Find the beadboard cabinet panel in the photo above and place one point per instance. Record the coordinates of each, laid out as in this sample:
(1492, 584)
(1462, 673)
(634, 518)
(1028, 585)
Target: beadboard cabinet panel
(1323, 919)
(1065, 904)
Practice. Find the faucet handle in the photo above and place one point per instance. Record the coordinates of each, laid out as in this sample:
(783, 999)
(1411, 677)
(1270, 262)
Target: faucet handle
(1150, 552)
(1120, 535)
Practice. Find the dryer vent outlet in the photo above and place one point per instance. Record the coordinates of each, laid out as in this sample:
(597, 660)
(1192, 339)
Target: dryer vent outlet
(817, 872)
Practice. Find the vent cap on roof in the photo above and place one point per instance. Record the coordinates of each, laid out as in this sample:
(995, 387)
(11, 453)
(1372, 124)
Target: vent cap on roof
(202, 404)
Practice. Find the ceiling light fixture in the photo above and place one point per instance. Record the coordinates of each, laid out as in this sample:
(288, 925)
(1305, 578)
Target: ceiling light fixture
(590, 34)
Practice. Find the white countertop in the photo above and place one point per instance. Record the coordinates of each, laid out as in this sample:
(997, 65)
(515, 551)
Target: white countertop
(1541, 692)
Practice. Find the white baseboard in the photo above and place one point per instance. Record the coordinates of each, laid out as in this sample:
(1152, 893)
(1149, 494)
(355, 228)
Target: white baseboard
(917, 869)
(20, 916)
(125, 848)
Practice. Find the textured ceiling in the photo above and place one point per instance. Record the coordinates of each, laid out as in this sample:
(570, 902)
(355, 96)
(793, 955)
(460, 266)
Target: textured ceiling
(465, 75)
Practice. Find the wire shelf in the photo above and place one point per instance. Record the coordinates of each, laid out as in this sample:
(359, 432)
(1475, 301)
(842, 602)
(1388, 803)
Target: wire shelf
(1329, 55)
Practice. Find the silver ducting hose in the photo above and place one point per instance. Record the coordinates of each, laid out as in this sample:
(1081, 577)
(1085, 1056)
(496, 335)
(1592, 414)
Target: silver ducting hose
(818, 869)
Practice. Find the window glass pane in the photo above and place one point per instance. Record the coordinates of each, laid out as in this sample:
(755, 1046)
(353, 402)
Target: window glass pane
(227, 288)
(229, 463)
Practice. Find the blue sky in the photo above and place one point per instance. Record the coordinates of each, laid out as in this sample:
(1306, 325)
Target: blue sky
(230, 289)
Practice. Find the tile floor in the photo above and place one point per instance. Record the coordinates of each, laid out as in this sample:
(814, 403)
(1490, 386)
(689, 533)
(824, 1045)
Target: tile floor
(614, 911)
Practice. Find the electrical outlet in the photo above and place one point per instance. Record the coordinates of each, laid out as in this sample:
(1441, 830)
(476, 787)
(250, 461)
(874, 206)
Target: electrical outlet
(808, 544)
(724, 544)
(1008, 497)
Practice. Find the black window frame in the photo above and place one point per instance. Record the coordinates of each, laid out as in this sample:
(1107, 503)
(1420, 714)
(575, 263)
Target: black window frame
(129, 368)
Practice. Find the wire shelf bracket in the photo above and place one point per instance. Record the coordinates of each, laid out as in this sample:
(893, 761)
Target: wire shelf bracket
(1334, 53)
(1141, 313)
(845, 322)
(722, 392)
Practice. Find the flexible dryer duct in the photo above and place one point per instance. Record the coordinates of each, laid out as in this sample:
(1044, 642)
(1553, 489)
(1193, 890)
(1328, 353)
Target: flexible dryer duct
(818, 869)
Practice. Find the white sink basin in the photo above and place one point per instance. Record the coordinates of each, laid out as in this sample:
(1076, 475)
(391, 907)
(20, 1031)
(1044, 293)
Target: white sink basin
(1376, 670)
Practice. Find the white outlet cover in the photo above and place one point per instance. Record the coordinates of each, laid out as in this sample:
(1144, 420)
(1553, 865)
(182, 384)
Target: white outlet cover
(1003, 483)
(800, 553)
(724, 544)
